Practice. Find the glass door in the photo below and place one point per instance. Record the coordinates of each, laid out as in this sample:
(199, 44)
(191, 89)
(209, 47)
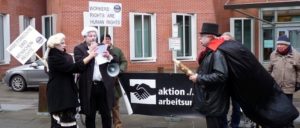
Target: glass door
(292, 33)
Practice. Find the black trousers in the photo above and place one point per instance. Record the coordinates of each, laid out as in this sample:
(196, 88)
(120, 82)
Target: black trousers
(215, 122)
(99, 103)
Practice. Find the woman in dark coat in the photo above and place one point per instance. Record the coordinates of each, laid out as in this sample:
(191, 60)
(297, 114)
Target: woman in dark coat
(61, 88)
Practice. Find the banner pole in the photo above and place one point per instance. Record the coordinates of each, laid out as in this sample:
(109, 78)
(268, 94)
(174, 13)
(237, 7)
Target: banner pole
(174, 58)
(104, 36)
(125, 97)
(38, 56)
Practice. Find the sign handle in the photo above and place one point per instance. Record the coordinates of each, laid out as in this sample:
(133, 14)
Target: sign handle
(125, 97)
(44, 61)
(104, 35)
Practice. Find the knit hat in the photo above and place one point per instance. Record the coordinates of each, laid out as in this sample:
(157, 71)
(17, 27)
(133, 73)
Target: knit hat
(283, 40)
(86, 30)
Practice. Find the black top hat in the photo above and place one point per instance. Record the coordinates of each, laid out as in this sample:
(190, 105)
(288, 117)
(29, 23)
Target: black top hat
(210, 28)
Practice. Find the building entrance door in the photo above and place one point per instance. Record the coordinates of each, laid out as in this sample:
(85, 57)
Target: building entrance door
(293, 33)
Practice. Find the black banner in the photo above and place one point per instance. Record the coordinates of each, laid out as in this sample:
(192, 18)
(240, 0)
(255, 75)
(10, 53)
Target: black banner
(159, 94)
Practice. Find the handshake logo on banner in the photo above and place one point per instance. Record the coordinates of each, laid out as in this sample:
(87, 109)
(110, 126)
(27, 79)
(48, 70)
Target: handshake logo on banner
(143, 91)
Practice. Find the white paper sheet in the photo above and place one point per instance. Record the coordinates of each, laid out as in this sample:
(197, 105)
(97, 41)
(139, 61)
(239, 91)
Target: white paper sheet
(99, 58)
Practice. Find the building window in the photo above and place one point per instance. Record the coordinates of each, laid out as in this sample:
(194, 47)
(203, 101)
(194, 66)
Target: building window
(187, 33)
(25, 21)
(142, 37)
(268, 43)
(281, 14)
(292, 15)
(101, 29)
(4, 38)
(268, 15)
(48, 27)
(242, 30)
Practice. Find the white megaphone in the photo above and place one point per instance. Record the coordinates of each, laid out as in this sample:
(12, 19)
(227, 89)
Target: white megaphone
(113, 69)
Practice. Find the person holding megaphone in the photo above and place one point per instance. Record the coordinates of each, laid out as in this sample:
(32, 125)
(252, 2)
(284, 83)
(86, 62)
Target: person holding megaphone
(114, 70)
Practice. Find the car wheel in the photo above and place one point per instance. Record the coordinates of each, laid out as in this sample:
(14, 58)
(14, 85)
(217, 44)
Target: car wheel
(17, 83)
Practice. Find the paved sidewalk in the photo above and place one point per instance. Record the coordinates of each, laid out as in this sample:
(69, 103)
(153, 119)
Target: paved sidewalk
(30, 118)
(21, 112)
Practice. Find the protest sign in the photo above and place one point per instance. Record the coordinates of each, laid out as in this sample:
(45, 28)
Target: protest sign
(105, 14)
(26, 44)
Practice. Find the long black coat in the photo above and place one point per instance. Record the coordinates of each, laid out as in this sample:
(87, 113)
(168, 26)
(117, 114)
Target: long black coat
(61, 88)
(86, 78)
(254, 88)
(211, 81)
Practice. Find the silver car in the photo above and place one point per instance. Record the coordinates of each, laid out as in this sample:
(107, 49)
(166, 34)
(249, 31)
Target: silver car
(25, 76)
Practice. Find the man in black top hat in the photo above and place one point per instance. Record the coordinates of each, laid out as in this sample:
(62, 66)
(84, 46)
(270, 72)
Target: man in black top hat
(228, 66)
(211, 96)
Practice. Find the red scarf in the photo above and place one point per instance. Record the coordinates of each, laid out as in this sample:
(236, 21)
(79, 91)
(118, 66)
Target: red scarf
(286, 51)
(213, 45)
(201, 55)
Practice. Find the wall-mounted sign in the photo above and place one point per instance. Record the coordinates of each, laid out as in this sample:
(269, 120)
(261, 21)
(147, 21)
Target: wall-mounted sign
(268, 44)
(174, 43)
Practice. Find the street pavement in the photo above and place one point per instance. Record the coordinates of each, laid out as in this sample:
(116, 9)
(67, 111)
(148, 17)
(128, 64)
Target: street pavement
(20, 110)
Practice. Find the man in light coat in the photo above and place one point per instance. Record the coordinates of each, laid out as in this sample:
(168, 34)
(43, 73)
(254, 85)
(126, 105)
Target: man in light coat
(285, 66)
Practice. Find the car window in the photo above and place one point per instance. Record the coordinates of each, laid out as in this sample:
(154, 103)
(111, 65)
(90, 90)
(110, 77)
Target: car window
(39, 62)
